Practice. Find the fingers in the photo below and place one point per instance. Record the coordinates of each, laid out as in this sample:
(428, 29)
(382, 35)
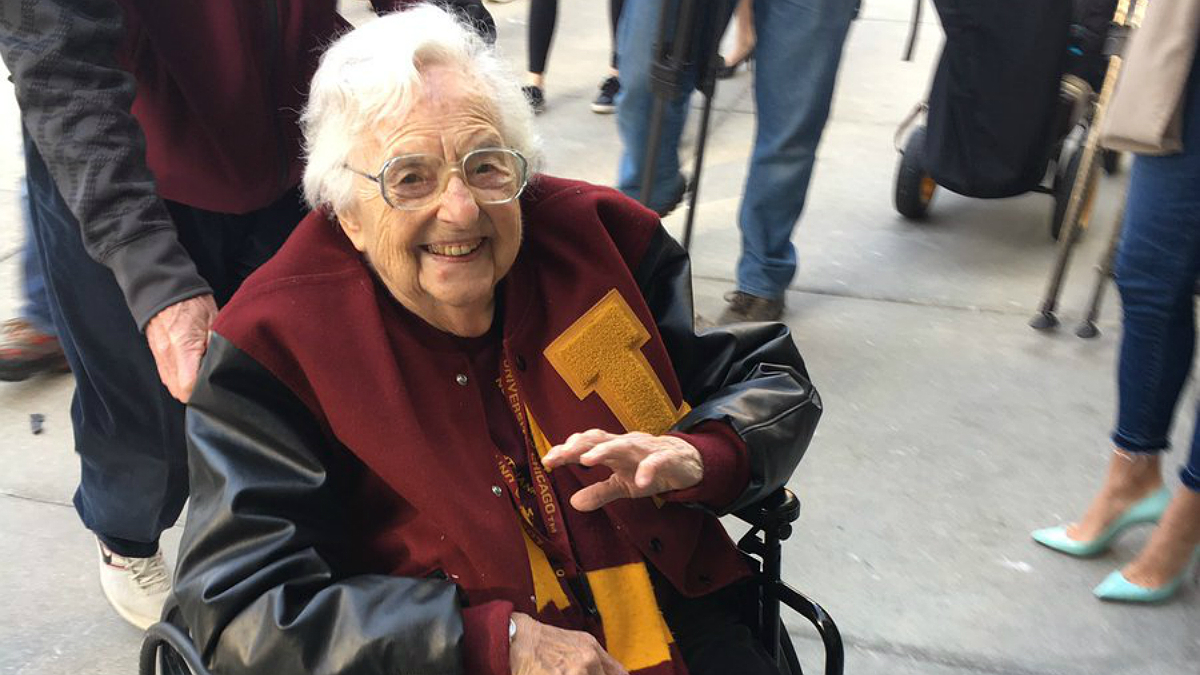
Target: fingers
(188, 359)
(178, 337)
(618, 453)
(648, 470)
(570, 451)
(594, 496)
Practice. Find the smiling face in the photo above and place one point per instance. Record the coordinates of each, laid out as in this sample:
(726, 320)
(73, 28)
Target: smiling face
(442, 261)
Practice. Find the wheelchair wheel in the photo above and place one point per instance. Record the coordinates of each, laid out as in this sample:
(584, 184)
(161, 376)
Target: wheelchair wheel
(914, 187)
(1064, 183)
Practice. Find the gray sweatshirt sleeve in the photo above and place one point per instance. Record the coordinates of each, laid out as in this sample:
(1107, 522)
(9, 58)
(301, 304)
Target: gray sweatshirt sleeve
(75, 103)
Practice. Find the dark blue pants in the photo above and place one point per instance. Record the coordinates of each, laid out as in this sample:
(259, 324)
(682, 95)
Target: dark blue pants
(1157, 266)
(35, 307)
(128, 429)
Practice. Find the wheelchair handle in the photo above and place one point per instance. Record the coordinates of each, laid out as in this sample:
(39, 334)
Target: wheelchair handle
(168, 635)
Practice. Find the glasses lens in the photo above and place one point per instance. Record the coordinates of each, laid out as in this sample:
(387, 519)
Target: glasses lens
(411, 179)
(494, 175)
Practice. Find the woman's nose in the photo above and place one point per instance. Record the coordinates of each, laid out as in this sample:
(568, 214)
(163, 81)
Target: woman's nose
(458, 203)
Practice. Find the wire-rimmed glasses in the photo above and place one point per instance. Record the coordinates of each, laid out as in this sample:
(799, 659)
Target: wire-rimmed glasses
(409, 182)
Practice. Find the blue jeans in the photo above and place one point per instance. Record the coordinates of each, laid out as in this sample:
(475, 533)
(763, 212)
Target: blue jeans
(36, 305)
(129, 431)
(1157, 266)
(797, 56)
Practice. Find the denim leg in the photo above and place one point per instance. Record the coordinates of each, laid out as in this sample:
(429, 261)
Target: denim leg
(36, 306)
(797, 56)
(128, 429)
(1190, 473)
(1157, 265)
(636, 35)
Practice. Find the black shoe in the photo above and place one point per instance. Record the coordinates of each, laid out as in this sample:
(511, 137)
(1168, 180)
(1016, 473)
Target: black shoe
(606, 100)
(728, 70)
(535, 97)
(676, 197)
(745, 307)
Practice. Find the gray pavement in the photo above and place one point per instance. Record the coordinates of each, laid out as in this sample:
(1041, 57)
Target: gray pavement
(951, 430)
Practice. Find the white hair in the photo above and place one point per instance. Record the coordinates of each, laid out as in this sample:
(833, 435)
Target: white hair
(371, 76)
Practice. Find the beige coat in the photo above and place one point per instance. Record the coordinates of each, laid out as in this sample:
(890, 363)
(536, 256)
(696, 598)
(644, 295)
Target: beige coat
(1145, 114)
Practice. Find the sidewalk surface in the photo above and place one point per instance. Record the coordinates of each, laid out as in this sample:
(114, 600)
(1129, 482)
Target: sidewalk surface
(951, 428)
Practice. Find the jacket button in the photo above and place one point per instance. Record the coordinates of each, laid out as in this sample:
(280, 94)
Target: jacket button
(520, 363)
(496, 490)
(461, 379)
(656, 545)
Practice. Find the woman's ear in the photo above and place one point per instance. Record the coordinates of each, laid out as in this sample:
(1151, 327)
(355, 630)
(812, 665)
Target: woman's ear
(350, 223)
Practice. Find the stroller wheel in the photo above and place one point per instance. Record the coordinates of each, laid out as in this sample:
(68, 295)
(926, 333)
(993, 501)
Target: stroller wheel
(914, 187)
(1063, 185)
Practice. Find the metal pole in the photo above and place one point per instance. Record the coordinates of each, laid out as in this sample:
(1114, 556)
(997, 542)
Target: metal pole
(1104, 271)
(1045, 319)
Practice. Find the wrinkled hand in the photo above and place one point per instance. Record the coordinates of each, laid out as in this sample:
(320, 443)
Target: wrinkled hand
(178, 336)
(642, 465)
(539, 649)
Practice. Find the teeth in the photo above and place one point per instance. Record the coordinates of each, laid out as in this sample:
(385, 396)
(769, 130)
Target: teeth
(454, 250)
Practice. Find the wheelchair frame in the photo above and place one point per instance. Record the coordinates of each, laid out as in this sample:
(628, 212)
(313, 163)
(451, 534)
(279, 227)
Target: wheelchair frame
(169, 650)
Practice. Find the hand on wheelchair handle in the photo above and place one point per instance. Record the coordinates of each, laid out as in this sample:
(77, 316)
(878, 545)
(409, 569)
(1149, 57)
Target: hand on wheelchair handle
(642, 465)
(541, 649)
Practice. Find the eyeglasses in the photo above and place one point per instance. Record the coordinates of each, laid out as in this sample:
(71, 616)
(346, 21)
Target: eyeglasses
(409, 182)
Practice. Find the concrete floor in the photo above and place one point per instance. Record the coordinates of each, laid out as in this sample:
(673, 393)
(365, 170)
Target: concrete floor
(951, 429)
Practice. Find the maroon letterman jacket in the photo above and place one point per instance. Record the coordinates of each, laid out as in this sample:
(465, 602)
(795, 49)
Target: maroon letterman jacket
(344, 514)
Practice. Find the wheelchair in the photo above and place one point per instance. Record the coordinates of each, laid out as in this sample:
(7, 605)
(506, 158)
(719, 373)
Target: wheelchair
(167, 648)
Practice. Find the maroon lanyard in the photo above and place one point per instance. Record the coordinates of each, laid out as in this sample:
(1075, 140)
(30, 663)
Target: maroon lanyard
(553, 538)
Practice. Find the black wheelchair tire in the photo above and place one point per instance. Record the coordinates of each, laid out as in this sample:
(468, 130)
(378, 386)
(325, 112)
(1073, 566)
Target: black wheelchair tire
(914, 187)
(1112, 162)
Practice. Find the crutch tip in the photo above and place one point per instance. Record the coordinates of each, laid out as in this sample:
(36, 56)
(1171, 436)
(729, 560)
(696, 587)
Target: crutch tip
(1087, 330)
(1044, 321)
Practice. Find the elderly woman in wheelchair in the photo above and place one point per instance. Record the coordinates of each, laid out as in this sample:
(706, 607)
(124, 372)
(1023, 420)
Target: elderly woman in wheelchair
(462, 421)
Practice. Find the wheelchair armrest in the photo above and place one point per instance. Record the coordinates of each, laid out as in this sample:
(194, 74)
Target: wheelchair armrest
(781, 507)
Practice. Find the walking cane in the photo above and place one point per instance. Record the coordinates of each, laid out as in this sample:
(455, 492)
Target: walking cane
(1125, 20)
(1104, 271)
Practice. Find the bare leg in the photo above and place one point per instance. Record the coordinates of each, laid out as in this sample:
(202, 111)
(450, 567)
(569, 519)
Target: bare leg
(1170, 547)
(744, 36)
(1130, 478)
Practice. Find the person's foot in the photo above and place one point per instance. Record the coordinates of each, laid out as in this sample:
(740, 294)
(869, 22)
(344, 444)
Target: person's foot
(681, 186)
(1131, 477)
(26, 351)
(136, 587)
(729, 65)
(1172, 544)
(745, 307)
(535, 97)
(606, 99)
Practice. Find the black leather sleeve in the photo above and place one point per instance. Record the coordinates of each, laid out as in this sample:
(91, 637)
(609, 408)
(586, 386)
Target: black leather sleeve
(253, 582)
(748, 375)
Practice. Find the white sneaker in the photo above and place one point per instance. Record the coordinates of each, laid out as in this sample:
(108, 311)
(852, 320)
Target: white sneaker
(136, 587)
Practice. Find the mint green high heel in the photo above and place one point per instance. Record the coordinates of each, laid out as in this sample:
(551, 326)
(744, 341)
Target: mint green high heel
(1147, 510)
(1117, 588)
